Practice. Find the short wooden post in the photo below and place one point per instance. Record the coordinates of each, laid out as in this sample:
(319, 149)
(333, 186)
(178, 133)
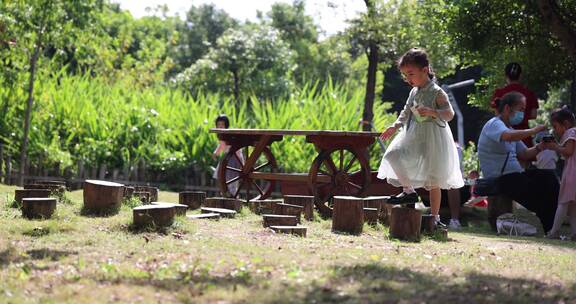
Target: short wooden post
(405, 223)
(295, 230)
(179, 208)
(428, 223)
(128, 192)
(26, 193)
(143, 196)
(305, 201)
(224, 202)
(36, 207)
(221, 211)
(371, 216)
(287, 209)
(193, 199)
(381, 203)
(279, 220)
(498, 205)
(348, 214)
(264, 206)
(156, 215)
(102, 196)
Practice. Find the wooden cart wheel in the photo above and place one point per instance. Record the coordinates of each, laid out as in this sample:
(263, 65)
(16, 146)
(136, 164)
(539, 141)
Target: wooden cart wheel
(349, 175)
(235, 182)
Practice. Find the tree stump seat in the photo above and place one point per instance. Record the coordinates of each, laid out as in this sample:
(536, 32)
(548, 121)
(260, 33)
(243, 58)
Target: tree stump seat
(224, 203)
(38, 207)
(128, 192)
(348, 214)
(208, 216)
(381, 203)
(279, 220)
(288, 209)
(153, 192)
(179, 208)
(295, 230)
(56, 189)
(264, 206)
(143, 196)
(102, 196)
(371, 215)
(26, 193)
(428, 225)
(498, 205)
(193, 199)
(223, 212)
(153, 215)
(305, 201)
(405, 223)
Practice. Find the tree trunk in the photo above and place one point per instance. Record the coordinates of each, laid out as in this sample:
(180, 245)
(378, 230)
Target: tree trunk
(24, 148)
(560, 28)
(573, 93)
(236, 85)
(1, 158)
(372, 54)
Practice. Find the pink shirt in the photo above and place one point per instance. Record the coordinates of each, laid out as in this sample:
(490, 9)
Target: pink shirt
(568, 183)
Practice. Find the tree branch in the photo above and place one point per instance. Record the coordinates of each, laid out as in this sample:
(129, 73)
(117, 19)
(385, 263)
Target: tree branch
(562, 31)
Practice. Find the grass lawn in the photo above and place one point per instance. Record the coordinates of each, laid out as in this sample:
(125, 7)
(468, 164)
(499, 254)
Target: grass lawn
(78, 259)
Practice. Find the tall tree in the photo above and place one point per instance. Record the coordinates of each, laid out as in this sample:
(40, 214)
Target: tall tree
(39, 24)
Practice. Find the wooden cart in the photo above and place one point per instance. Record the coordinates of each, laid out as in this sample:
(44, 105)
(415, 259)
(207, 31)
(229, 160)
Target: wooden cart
(340, 168)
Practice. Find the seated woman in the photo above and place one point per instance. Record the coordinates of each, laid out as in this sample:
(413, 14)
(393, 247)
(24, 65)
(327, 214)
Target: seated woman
(499, 150)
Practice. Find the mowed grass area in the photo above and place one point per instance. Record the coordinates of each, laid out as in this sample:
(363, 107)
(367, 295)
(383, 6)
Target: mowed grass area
(78, 259)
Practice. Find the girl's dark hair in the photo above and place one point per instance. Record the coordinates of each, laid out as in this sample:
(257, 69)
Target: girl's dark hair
(224, 118)
(563, 115)
(417, 57)
(513, 71)
(511, 99)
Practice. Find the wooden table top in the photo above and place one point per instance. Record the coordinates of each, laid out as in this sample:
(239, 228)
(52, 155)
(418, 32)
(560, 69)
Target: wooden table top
(293, 132)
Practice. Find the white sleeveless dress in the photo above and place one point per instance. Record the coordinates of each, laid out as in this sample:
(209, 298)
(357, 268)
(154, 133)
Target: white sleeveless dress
(423, 154)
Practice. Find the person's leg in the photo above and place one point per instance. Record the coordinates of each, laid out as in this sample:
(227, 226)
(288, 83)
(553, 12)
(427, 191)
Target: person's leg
(454, 201)
(572, 214)
(393, 158)
(536, 190)
(435, 198)
(561, 212)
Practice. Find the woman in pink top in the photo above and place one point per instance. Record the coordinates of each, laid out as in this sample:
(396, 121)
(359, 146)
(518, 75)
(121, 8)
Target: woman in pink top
(563, 123)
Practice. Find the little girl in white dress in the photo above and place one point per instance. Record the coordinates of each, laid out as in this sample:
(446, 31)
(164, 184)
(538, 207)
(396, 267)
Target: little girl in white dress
(423, 154)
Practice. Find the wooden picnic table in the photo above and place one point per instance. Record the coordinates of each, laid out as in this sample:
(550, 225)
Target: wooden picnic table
(341, 166)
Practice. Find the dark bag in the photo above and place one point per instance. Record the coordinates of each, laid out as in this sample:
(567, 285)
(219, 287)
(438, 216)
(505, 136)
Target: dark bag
(489, 186)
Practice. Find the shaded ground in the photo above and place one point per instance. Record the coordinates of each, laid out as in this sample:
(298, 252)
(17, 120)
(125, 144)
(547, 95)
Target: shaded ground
(78, 259)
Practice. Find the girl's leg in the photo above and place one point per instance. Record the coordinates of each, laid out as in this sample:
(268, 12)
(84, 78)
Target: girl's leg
(435, 197)
(394, 160)
(572, 212)
(561, 212)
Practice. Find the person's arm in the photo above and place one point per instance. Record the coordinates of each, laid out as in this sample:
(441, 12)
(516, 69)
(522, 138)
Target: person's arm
(516, 135)
(219, 149)
(444, 110)
(400, 121)
(528, 154)
(566, 150)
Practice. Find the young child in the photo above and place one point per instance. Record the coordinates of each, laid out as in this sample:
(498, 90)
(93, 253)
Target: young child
(545, 159)
(222, 122)
(423, 154)
(563, 124)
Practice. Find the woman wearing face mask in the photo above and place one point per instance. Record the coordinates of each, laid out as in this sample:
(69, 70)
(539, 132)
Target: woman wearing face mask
(500, 148)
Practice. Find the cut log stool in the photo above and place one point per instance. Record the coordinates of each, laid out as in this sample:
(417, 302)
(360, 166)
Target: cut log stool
(371, 216)
(193, 199)
(296, 230)
(264, 206)
(208, 216)
(348, 214)
(224, 202)
(24, 193)
(405, 223)
(380, 202)
(144, 197)
(305, 201)
(154, 215)
(428, 225)
(102, 196)
(153, 192)
(223, 212)
(180, 209)
(38, 207)
(279, 220)
(287, 209)
(128, 192)
(56, 189)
